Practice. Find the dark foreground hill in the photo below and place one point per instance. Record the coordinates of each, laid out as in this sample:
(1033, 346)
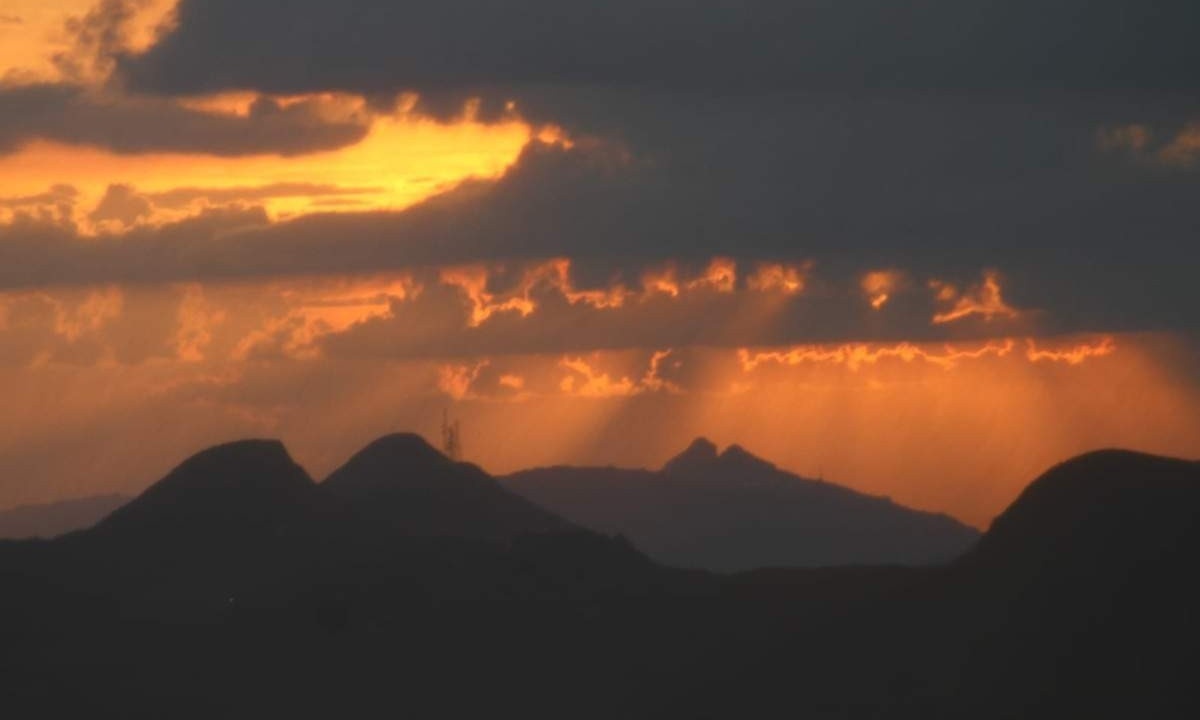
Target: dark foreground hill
(732, 511)
(237, 587)
(53, 519)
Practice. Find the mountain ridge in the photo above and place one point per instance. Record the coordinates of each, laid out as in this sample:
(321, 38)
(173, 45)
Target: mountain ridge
(320, 620)
(238, 483)
(731, 510)
(402, 481)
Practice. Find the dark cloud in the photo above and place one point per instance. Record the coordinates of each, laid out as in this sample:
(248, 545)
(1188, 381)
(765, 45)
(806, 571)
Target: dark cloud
(370, 45)
(436, 324)
(128, 125)
(36, 252)
(937, 187)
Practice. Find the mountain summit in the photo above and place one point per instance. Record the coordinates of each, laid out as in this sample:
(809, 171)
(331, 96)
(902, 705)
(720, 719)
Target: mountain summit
(732, 510)
(402, 482)
(701, 453)
(219, 492)
(402, 460)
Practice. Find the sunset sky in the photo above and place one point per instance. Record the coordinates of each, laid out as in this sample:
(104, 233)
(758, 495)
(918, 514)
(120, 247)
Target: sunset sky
(922, 249)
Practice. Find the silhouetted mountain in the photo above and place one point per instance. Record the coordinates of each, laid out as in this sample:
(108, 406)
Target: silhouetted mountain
(53, 519)
(1101, 508)
(1082, 592)
(402, 481)
(236, 588)
(219, 527)
(697, 456)
(249, 486)
(733, 511)
(236, 566)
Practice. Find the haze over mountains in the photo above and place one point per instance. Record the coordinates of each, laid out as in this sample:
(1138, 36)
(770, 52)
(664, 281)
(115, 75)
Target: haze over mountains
(732, 511)
(53, 519)
(238, 587)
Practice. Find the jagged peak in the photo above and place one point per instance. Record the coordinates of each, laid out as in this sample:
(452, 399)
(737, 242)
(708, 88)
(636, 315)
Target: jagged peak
(702, 454)
(745, 461)
(739, 453)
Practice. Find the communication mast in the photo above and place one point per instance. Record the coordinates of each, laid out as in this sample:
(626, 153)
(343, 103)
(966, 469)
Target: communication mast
(451, 438)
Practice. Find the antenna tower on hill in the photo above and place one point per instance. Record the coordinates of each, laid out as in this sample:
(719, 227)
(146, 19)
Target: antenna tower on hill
(451, 438)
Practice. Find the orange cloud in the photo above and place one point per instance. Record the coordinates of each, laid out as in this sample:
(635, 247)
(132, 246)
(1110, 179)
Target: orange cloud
(984, 299)
(879, 285)
(586, 381)
(320, 308)
(1074, 355)
(856, 355)
(98, 308)
(196, 322)
(512, 382)
(557, 273)
(779, 277)
(594, 383)
(473, 281)
(1184, 148)
(720, 275)
(456, 380)
(653, 380)
(662, 282)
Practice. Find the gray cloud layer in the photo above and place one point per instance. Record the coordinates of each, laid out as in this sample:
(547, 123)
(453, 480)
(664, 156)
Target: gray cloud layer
(127, 125)
(372, 45)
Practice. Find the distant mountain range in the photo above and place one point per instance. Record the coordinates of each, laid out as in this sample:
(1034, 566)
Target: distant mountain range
(726, 511)
(732, 511)
(53, 519)
(409, 584)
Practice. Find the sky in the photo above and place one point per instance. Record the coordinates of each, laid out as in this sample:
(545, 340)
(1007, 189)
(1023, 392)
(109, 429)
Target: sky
(923, 249)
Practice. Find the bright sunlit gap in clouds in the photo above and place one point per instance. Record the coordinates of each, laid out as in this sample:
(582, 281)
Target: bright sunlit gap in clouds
(58, 49)
(403, 159)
